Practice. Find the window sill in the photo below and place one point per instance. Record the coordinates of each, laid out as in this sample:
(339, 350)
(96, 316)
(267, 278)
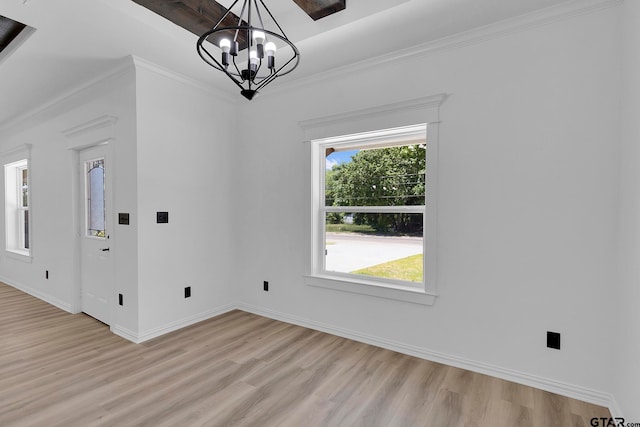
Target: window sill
(364, 288)
(19, 255)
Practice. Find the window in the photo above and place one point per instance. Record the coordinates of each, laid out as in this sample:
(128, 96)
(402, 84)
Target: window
(370, 214)
(95, 208)
(400, 210)
(17, 203)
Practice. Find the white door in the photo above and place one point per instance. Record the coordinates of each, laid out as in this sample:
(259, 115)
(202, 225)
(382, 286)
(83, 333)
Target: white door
(96, 260)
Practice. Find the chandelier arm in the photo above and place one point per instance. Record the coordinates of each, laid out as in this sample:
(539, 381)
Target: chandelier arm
(237, 69)
(266, 81)
(263, 81)
(217, 65)
(244, 5)
(259, 15)
(271, 77)
(250, 78)
(296, 56)
(273, 19)
(296, 53)
(234, 79)
(226, 14)
(248, 19)
(221, 68)
(259, 66)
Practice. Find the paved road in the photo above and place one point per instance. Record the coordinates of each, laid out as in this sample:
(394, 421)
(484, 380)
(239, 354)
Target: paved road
(348, 252)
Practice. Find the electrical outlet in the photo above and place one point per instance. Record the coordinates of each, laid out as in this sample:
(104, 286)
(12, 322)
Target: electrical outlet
(46, 274)
(187, 292)
(120, 299)
(265, 286)
(123, 218)
(162, 217)
(553, 340)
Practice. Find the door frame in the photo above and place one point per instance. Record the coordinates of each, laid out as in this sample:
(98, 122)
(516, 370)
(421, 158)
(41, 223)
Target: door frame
(98, 131)
(106, 153)
(78, 216)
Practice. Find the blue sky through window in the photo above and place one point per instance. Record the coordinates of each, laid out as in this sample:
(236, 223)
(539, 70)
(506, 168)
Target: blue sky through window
(339, 157)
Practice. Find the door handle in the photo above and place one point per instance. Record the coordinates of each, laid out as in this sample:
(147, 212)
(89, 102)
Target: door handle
(105, 249)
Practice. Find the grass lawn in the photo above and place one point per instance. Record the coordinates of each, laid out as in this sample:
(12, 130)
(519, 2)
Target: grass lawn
(349, 228)
(409, 269)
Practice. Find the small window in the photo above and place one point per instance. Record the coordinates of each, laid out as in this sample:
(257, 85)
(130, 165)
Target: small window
(370, 215)
(17, 203)
(95, 214)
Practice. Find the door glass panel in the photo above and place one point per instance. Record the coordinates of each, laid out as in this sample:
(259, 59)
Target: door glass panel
(95, 198)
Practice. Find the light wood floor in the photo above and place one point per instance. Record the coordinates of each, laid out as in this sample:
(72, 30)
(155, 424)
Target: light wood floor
(58, 369)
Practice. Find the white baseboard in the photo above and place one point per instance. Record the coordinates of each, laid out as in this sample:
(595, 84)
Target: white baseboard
(614, 408)
(39, 294)
(125, 333)
(553, 386)
(564, 389)
(174, 326)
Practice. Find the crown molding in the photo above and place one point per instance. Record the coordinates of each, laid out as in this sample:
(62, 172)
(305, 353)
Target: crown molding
(546, 16)
(22, 148)
(561, 12)
(121, 68)
(90, 133)
(412, 104)
(127, 64)
(144, 64)
(90, 126)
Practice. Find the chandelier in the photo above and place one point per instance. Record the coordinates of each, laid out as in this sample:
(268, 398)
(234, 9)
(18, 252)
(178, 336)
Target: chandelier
(248, 48)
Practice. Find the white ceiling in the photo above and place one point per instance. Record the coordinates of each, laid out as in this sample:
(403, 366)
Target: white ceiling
(77, 40)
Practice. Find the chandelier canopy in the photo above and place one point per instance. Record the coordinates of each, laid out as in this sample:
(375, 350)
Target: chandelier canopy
(248, 42)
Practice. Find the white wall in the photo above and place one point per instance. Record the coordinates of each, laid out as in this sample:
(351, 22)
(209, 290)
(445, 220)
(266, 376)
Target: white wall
(527, 212)
(185, 168)
(172, 153)
(626, 311)
(528, 183)
(54, 194)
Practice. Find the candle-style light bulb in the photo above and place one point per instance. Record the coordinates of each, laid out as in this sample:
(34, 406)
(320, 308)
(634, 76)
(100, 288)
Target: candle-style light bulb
(259, 37)
(253, 61)
(225, 45)
(270, 49)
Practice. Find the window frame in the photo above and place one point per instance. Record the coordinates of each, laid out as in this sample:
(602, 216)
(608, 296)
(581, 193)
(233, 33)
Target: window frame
(22, 210)
(396, 137)
(423, 110)
(17, 245)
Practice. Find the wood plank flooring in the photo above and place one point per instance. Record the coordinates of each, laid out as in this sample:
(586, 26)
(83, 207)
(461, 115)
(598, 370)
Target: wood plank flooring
(239, 369)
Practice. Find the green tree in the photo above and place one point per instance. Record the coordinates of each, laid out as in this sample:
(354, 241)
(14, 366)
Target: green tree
(391, 176)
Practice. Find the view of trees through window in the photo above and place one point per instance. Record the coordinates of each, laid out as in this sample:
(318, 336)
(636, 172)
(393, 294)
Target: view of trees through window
(380, 234)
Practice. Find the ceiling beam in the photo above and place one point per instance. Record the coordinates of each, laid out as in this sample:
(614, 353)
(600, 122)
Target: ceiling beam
(196, 16)
(9, 30)
(318, 9)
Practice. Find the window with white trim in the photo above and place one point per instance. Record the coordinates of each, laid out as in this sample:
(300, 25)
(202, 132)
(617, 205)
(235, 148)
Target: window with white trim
(372, 214)
(17, 201)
